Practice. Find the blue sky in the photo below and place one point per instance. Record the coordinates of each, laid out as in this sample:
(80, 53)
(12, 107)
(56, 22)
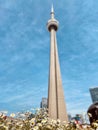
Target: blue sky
(24, 52)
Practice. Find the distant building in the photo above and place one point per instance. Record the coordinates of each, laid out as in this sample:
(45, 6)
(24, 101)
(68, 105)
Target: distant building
(43, 103)
(69, 117)
(94, 94)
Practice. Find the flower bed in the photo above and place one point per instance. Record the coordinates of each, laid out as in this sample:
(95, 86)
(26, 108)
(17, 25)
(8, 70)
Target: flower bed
(40, 122)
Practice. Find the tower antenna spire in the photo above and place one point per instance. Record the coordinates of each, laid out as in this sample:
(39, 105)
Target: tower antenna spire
(52, 12)
(52, 8)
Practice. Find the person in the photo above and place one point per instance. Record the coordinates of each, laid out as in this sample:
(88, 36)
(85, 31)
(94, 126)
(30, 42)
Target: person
(93, 112)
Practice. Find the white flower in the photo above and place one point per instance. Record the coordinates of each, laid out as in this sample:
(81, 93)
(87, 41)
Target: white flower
(43, 121)
(36, 128)
(32, 121)
(12, 115)
(58, 121)
(53, 121)
(39, 124)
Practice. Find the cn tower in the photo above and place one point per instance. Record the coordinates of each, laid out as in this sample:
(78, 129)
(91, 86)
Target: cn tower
(56, 101)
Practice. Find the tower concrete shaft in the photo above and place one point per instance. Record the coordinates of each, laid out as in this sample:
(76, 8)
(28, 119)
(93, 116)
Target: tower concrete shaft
(56, 102)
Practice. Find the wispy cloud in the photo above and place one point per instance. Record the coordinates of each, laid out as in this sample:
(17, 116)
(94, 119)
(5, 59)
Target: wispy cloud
(24, 52)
